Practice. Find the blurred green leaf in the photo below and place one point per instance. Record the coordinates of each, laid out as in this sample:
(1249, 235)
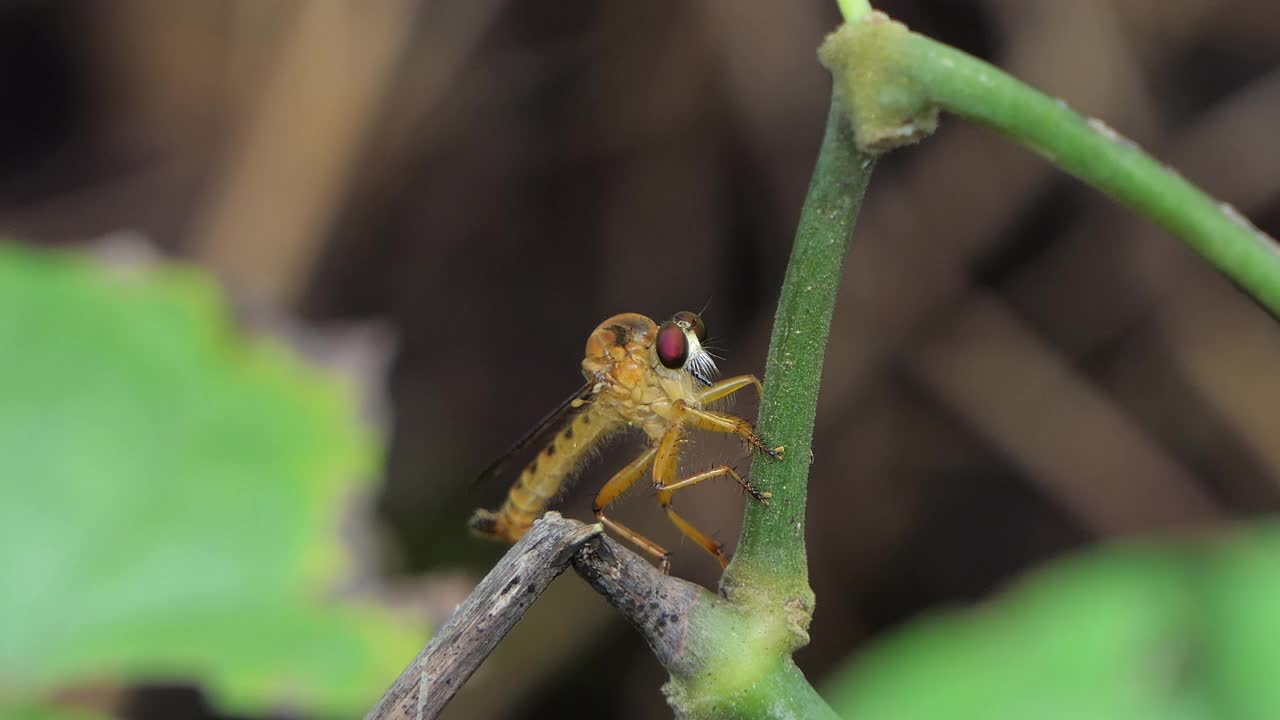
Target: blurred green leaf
(1130, 633)
(39, 712)
(171, 496)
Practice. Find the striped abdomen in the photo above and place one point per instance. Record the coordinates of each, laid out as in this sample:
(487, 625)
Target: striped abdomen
(543, 479)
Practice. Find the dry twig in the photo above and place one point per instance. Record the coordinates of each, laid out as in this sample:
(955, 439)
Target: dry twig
(429, 682)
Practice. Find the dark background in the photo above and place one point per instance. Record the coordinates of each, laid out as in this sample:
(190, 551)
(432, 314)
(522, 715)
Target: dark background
(1017, 369)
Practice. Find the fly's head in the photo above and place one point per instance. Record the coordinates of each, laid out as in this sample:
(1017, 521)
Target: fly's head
(679, 347)
(629, 351)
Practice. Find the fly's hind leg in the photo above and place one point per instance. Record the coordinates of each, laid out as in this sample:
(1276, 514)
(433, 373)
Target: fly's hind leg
(665, 471)
(618, 484)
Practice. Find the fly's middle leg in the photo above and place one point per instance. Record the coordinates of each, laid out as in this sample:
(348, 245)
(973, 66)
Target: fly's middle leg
(618, 484)
(666, 481)
(721, 471)
(726, 423)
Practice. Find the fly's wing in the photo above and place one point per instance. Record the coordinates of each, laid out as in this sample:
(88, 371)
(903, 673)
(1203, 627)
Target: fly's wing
(547, 426)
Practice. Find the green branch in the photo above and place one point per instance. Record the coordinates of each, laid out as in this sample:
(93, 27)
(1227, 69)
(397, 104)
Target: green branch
(895, 81)
(890, 83)
(737, 653)
(770, 566)
(853, 9)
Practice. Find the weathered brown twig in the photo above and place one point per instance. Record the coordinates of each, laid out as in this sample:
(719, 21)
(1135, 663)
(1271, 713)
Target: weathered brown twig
(657, 605)
(429, 682)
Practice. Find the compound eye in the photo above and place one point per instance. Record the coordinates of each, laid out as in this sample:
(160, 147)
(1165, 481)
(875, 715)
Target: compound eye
(673, 346)
(694, 321)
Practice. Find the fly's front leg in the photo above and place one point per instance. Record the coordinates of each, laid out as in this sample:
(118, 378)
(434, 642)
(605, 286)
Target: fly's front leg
(618, 484)
(729, 386)
(726, 423)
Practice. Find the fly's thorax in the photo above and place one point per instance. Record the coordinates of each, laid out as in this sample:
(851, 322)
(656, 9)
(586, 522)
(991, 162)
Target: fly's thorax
(676, 384)
(645, 396)
(630, 388)
(617, 352)
(650, 413)
(615, 338)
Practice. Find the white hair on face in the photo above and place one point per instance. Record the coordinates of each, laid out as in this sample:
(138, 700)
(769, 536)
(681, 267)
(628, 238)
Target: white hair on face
(700, 363)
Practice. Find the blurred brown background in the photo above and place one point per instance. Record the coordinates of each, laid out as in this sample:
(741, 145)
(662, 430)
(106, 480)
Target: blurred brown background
(1018, 368)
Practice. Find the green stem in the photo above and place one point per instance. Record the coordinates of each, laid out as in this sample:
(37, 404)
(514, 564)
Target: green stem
(853, 9)
(770, 565)
(895, 81)
(739, 652)
(777, 692)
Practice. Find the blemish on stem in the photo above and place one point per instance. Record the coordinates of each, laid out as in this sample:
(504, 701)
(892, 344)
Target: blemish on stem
(1109, 133)
(1244, 223)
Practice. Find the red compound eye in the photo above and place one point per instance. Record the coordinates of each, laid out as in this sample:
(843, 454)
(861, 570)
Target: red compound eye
(694, 321)
(673, 347)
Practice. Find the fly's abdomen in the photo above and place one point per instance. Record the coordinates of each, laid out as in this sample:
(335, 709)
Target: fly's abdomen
(543, 478)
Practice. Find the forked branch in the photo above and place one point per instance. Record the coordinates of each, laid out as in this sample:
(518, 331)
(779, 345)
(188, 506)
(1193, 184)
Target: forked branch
(656, 604)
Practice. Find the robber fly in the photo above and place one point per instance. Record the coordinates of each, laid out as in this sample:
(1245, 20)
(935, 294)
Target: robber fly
(639, 374)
